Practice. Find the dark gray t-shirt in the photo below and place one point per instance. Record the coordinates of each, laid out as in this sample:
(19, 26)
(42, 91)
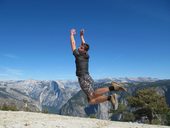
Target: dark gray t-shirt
(82, 62)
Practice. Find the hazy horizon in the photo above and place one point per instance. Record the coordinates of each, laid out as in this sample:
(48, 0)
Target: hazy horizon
(75, 79)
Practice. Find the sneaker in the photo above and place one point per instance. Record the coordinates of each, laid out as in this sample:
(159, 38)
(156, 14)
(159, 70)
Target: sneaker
(114, 101)
(118, 87)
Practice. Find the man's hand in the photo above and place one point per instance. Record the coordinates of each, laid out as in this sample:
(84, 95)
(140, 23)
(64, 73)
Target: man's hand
(82, 36)
(81, 32)
(73, 31)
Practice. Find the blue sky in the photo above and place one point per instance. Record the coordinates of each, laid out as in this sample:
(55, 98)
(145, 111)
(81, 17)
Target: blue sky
(128, 38)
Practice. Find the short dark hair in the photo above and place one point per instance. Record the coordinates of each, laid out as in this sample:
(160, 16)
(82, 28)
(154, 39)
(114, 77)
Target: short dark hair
(86, 47)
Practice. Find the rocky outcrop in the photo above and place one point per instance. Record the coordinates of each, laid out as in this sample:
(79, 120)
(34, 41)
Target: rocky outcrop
(78, 106)
(38, 95)
(21, 119)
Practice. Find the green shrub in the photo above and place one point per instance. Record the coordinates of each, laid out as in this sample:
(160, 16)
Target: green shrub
(6, 107)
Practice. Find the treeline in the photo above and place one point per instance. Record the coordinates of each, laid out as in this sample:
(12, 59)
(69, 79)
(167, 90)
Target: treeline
(145, 106)
(25, 106)
(6, 107)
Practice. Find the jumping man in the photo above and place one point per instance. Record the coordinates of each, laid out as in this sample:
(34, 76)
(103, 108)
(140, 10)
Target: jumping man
(85, 80)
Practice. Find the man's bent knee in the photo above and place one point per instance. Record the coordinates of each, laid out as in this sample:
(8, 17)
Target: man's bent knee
(92, 101)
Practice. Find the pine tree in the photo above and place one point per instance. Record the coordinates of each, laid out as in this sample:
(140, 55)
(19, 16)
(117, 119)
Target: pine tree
(148, 103)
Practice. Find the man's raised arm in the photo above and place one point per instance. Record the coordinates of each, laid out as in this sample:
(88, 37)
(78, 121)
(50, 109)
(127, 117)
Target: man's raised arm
(82, 36)
(72, 40)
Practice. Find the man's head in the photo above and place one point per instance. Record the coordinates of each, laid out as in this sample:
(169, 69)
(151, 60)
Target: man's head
(84, 48)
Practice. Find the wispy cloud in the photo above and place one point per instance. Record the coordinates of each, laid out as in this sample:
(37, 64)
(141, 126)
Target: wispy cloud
(13, 71)
(11, 56)
(3, 74)
(7, 73)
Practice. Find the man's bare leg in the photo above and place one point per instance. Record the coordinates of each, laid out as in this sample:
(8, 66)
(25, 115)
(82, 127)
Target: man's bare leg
(114, 87)
(100, 91)
(99, 99)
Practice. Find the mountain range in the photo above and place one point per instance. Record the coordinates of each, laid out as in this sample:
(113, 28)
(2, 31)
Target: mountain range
(66, 98)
